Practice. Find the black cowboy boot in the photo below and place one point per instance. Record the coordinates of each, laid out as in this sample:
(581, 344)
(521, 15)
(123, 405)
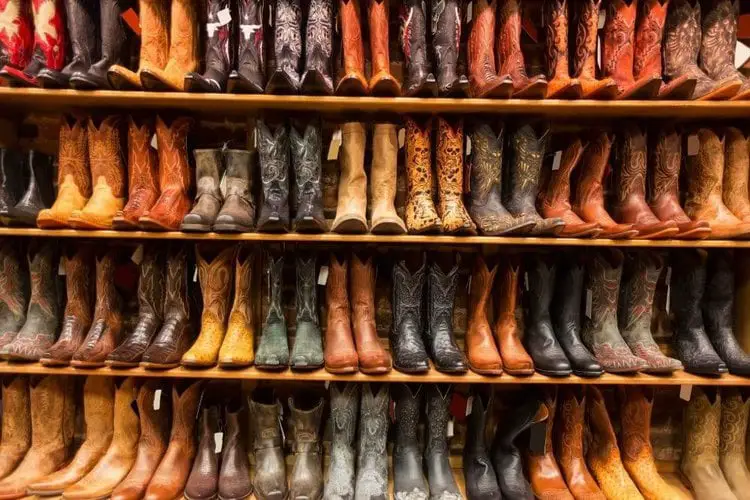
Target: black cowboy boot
(250, 74)
(209, 168)
(13, 179)
(307, 352)
(344, 403)
(441, 294)
(419, 80)
(287, 48)
(446, 37)
(479, 476)
(219, 52)
(409, 354)
(39, 194)
(273, 149)
(237, 214)
(308, 194)
(436, 455)
(318, 48)
(372, 459)
(408, 479)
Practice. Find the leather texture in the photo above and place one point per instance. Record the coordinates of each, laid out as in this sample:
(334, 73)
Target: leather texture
(421, 216)
(39, 192)
(546, 479)
(719, 43)
(353, 82)
(287, 48)
(482, 353)
(373, 358)
(419, 81)
(372, 455)
(270, 481)
(209, 170)
(203, 481)
(383, 179)
(479, 476)
(306, 480)
(446, 39)
(483, 78)
(13, 179)
(307, 351)
(450, 176)
(408, 478)
(237, 214)
(16, 44)
(732, 441)
(14, 292)
(307, 150)
(516, 361)
(220, 52)
(585, 18)
(382, 82)
(234, 474)
(317, 77)
(736, 173)
(352, 190)
(441, 296)
(407, 346)
(436, 454)
(237, 350)
(510, 58)
(16, 423)
(250, 74)
(559, 83)
(340, 355)
(273, 349)
(344, 403)
(273, 150)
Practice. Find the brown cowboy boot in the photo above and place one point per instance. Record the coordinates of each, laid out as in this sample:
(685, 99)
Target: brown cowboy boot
(450, 171)
(735, 408)
(421, 216)
(352, 192)
(560, 85)
(481, 350)
(719, 43)
(510, 56)
(340, 354)
(382, 82)
(14, 292)
(353, 83)
(586, 20)
(16, 423)
(736, 171)
(516, 360)
(237, 347)
(383, 176)
(483, 78)
(373, 358)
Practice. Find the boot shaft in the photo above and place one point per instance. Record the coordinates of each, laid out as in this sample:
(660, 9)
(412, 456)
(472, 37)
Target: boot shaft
(266, 422)
(105, 155)
(688, 285)
(408, 288)
(618, 40)
(80, 288)
(413, 34)
(273, 148)
(251, 53)
(143, 160)
(570, 424)
(719, 38)
(243, 281)
(152, 284)
(238, 176)
(14, 290)
(735, 407)
(507, 290)
(108, 300)
(604, 441)
(220, 50)
(649, 31)
(154, 424)
(476, 423)
(446, 37)
(373, 425)
(174, 171)
(718, 296)
(344, 413)
(705, 172)
(351, 36)
(508, 42)
(586, 21)
(115, 36)
(307, 296)
(736, 173)
(630, 179)
(541, 278)
(305, 426)
(209, 169)
(603, 274)
(418, 157)
(126, 426)
(287, 34)
(44, 299)
(683, 30)
(481, 286)
(362, 289)
(566, 308)
(50, 38)
(486, 165)
(274, 272)
(154, 17)
(449, 158)
(306, 152)
(521, 180)
(16, 422)
(665, 157)
(409, 400)
(215, 277)
(73, 156)
(13, 178)
(378, 14)
(635, 418)
(438, 399)
(183, 34)
(50, 402)
(441, 293)
(701, 421)
(176, 304)
(383, 169)
(589, 189)
(337, 298)
(556, 26)
(185, 403)
(636, 299)
(15, 48)
(556, 192)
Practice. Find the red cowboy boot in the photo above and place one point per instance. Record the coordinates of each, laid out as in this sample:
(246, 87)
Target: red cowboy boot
(561, 85)
(17, 34)
(483, 80)
(510, 56)
(586, 15)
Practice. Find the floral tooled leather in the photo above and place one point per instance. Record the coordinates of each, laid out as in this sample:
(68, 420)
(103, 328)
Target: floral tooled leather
(559, 85)
(143, 175)
(510, 60)
(719, 42)
(420, 208)
(483, 78)
(237, 349)
(16, 424)
(14, 292)
(734, 416)
(450, 173)
(584, 58)
(736, 171)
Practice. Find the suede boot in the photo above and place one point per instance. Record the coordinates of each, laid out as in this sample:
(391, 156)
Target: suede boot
(446, 40)
(16, 423)
(372, 458)
(270, 481)
(39, 192)
(17, 47)
(560, 84)
(83, 28)
(287, 47)
(436, 454)
(209, 169)
(306, 480)
(344, 401)
(352, 192)
(479, 476)
(340, 354)
(306, 150)
(237, 214)
(307, 352)
(273, 349)
(383, 178)
(234, 475)
(419, 81)
(450, 173)
(373, 358)
(14, 293)
(203, 481)
(586, 20)
(441, 295)
(220, 52)
(483, 78)
(482, 353)
(250, 75)
(736, 173)
(382, 82)
(421, 216)
(237, 349)
(408, 478)
(317, 77)
(409, 353)
(13, 181)
(273, 149)
(732, 437)
(516, 360)
(510, 59)
(353, 82)
(718, 45)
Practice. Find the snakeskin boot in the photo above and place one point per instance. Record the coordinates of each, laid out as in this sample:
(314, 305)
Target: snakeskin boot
(409, 354)
(273, 349)
(441, 293)
(307, 352)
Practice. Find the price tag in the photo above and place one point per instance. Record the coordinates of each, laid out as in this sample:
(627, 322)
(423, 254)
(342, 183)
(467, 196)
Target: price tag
(327, 384)
(693, 145)
(741, 54)
(137, 256)
(195, 275)
(602, 18)
(686, 391)
(469, 11)
(157, 400)
(468, 145)
(449, 430)
(281, 428)
(401, 137)
(255, 138)
(589, 300)
(333, 148)
(61, 267)
(668, 277)
(556, 160)
(218, 442)
(469, 405)
(154, 142)
(392, 410)
(323, 276)
(225, 16)
(526, 281)
(599, 51)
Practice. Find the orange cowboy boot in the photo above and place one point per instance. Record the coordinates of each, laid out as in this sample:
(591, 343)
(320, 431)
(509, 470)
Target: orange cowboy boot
(382, 82)
(510, 59)
(481, 350)
(560, 85)
(586, 20)
(516, 360)
(450, 171)
(483, 78)
(353, 83)
(736, 171)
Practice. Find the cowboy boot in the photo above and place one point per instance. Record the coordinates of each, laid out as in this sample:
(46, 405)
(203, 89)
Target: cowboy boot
(742, 296)
(203, 481)
(270, 480)
(664, 195)
(344, 401)
(16, 423)
(703, 202)
(307, 352)
(630, 206)
(419, 81)
(234, 475)
(441, 295)
(154, 52)
(175, 177)
(483, 78)
(735, 407)
(516, 360)
(306, 480)
(446, 37)
(353, 82)
(209, 170)
(383, 175)
(215, 276)
(17, 43)
(479, 476)
(318, 48)
(421, 216)
(409, 354)
(373, 358)
(151, 288)
(554, 198)
(143, 175)
(250, 74)
(13, 181)
(718, 45)
(237, 348)
(273, 149)
(340, 353)
(273, 349)
(107, 176)
(560, 85)
(586, 20)
(237, 214)
(649, 31)
(682, 45)
(510, 59)
(482, 353)
(287, 48)
(408, 478)
(588, 198)
(382, 82)
(436, 453)
(485, 197)
(736, 172)
(79, 291)
(220, 52)
(546, 479)
(352, 192)
(617, 52)
(306, 149)
(14, 293)
(450, 169)
(73, 176)
(372, 457)
(183, 51)
(39, 193)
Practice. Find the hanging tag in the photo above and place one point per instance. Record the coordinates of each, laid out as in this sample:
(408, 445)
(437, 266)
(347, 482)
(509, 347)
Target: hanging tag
(131, 19)
(741, 54)
(392, 410)
(469, 11)
(333, 148)
(323, 276)
(157, 400)
(195, 275)
(668, 277)
(668, 301)
(255, 138)
(270, 15)
(556, 160)
(468, 284)
(599, 51)
(225, 16)
(248, 30)
(449, 430)
(137, 256)
(61, 267)
(589, 300)
(218, 442)
(469, 405)
(693, 145)
(538, 438)
(686, 391)
(281, 428)
(211, 28)
(327, 384)
(468, 145)
(401, 137)
(526, 281)
(602, 18)
(154, 143)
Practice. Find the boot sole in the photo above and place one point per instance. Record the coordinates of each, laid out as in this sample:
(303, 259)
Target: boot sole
(587, 374)
(350, 226)
(121, 364)
(489, 373)
(309, 226)
(555, 373)
(342, 371)
(231, 228)
(53, 362)
(228, 365)
(411, 370)
(519, 373)
(375, 371)
(120, 224)
(195, 228)
(388, 228)
(86, 364)
(158, 366)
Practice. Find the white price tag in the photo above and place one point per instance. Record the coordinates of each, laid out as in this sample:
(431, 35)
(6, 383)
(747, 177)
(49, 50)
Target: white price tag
(686, 390)
(218, 442)
(741, 54)
(333, 148)
(599, 51)
(401, 137)
(668, 301)
(469, 11)
(281, 428)
(195, 274)
(526, 281)
(589, 299)
(61, 267)
(693, 145)
(327, 384)
(469, 405)
(154, 142)
(449, 431)
(323, 276)
(468, 145)
(602, 18)
(157, 400)
(556, 160)
(668, 277)
(137, 257)
(225, 16)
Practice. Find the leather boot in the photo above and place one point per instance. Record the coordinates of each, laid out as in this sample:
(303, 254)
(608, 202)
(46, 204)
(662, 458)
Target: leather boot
(39, 331)
(344, 401)
(618, 52)
(546, 479)
(382, 82)
(419, 80)
(307, 149)
(479, 476)
(586, 20)
(273, 150)
(690, 341)
(306, 480)
(237, 214)
(318, 48)
(663, 183)
(143, 175)
(560, 85)
(269, 482)
(183, 51)
(703, 202)
(108, 176)
(287, 47)
(273, 348)
(600, 330)
(16, 423)
(250, 74)
(203, 481)
(516, 360)
(237, 349)
(80, 289)
(172, 473)
(234, 475)
(436, 454)
(450, 174)
(736, 173)
(220, 52)
(588, 200)
(16, 46)
(52, 426)
(446, 38)
(733, 432)
(649, 32)
(153, 440)
(209, 170)
(340, 354)
(554, 199)
(521, 179)
(106, 326)
(13, 179)
(352, 192)
(568, 441)
(718, 45)
(179, 328)
(151, 288)
(39, 192)
(636, 302)
(307, 351)
(372, 458)
(373, 358)
(485, 197)
(353, 82)
(482, 353)
(119, 456)
(510, 60)
(383, 175)
(215, 276)
(409, 354)
(566, 316)
(603, 455)
(549, 358)
(742, 291)
(73, 176)
(421, 216)
(636, 404)
(441, 295)
(630, 206)
(483, 78)
(408, 478)
(175, 176)
(14, 294)
(154, 52)
(682, 45)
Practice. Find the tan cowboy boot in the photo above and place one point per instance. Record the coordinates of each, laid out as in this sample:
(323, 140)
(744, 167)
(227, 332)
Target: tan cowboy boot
(16, 431)
(383, 216)
(352, 194)
(735, 407)
(237, 347)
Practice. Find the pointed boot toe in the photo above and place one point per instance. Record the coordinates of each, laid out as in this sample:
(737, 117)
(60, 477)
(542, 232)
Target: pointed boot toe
(645, 88)
(680, 88)
(722, 90)
(316, 82)
(388, 225)
(694, 230)
(283, 82)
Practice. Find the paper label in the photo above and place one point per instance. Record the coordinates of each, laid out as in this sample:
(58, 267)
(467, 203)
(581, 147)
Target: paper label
(668, 277)
(225, 16)
(602, 18)
(668, 301)
(599, 51)
(281, 428)
(401, 137)
(686, 390)
(218, 442)
(154, 143)
(741, 54)
(333, 148)
(526, 281)
(195, 275)
(693, 145)
(469, 11)
(327, 384)
(469, 405)
(468, 145)
(157, 400)
(61, 267)
(556, 160)
(137, 256)
(589, 299)
(323, 276)
(449, 430)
